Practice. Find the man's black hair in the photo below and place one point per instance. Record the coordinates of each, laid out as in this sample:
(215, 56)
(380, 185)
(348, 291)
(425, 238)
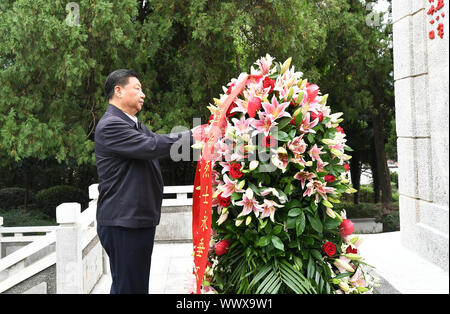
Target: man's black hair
(118, 77)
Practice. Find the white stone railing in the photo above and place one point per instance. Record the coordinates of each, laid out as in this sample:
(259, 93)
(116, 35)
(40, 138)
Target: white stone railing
(73, 245)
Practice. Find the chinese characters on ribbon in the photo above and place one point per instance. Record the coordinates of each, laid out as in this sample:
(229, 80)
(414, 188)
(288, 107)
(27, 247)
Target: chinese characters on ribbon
(436, 16)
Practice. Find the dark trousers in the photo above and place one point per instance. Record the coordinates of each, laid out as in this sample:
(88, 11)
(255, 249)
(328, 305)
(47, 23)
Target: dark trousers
(130, 254)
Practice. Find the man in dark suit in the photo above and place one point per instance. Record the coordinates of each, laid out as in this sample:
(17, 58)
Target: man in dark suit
(130, 182)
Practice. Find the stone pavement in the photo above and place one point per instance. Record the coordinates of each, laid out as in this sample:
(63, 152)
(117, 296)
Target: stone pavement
(401, 270)
(171, 263)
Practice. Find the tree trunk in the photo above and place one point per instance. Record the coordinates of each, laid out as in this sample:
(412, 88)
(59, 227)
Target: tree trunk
(375, 180)
(382, 167)
(355, 174)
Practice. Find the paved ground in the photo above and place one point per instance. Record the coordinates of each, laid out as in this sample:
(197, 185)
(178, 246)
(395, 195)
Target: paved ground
(401, 270)
(171, 263)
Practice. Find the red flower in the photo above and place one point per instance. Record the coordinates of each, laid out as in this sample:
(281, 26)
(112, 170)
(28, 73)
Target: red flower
(339, 129)
(235, 171)
(268, 141)
(232, 106)
(351, 250)
(315, 116)
(329, 248)
(223, 201)
(346, 228)
(211, 117)
(268, 82)
(222, 247)
(347, 167)
(292, 121)
(253, 106)
(330, 178)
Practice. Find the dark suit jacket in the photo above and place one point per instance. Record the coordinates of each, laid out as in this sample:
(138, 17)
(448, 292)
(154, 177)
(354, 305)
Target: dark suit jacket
(129, 177)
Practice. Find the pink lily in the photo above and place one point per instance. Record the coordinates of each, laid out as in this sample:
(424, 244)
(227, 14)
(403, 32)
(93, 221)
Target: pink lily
(269, 209)
(250, 204)
(315, 153)
(264, 124)
(276, 110)
(242, 125)
(318, 188)
(303, 176)
(229, 187)
(307, 126)
(264, 64)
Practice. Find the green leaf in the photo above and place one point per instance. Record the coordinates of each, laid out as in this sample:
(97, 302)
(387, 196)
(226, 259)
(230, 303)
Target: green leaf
(283, 122)
(277, 243)
(300, 224)
(263, 241)
(316, 224)
(282, 136)
(277, 229)
(294, 212)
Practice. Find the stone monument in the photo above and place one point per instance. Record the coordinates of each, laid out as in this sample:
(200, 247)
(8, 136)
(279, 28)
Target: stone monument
(421, 59)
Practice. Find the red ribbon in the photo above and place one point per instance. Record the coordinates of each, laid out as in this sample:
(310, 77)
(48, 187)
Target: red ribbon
(202, 194)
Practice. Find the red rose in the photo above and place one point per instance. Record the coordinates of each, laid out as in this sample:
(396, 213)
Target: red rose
(268, 141)
(315, 116)
(351, 250)
(330, 178)
(347, 167)
(235, 171)
(292, 121)
(329, 248)
(253, 106)
(222, 247)
(346, 228)
(339, 129)
(223, 201)
(268, 82)
(232, 106)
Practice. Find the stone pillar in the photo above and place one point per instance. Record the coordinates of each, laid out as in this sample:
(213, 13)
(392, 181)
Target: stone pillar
(69, 260)
(421, 78)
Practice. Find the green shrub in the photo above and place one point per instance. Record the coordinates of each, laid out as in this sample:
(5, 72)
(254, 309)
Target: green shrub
(13, 197)
(361, 210)
(391, 222)
(394, 178)
(48, 199)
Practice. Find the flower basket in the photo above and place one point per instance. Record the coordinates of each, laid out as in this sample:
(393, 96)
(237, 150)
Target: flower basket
(280, 163)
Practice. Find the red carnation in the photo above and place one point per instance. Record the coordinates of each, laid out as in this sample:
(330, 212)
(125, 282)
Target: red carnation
(329, 248)
(221, 247)
(268, 141)
(223, 201)
(339, 129)
(315, 116)
(253, 106)
(268, 82)
(235, 171)
(346, 228)
(347, 167)
(351, 250)
(330, 178)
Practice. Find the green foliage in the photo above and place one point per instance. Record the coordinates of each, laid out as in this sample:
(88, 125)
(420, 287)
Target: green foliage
(48, 199)
(13, 197)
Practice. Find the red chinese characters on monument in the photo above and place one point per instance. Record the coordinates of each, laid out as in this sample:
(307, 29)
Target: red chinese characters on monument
(433, 12)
